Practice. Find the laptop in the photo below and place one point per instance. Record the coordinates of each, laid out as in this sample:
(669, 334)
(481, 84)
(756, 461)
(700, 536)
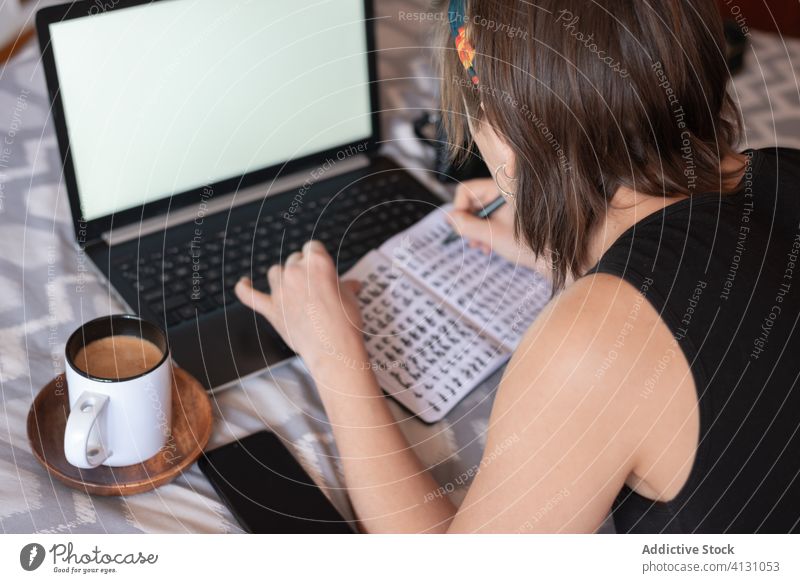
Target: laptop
(204, 140)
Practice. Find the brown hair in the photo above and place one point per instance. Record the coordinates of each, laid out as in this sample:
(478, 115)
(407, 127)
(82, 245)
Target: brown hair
(592, 95)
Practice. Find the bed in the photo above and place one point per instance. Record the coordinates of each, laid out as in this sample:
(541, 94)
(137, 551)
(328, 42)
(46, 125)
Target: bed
(46, 292)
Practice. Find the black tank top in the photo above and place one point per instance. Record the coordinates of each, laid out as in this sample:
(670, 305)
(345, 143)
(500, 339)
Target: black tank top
(723, 272)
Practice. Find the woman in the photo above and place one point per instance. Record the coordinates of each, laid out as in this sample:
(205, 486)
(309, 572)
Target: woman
(660, 382)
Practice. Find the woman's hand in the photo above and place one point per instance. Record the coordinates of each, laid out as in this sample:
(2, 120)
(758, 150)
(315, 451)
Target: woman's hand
(495, 233)
(315, 314)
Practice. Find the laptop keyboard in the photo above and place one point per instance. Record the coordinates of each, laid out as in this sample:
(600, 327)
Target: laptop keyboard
(180, 282)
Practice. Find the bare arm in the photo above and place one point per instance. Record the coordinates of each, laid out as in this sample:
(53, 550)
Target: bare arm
(319, 318)
(388, 486)
(561, 442)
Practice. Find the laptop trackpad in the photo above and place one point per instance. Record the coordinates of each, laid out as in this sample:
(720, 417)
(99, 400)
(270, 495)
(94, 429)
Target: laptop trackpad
(226, 345)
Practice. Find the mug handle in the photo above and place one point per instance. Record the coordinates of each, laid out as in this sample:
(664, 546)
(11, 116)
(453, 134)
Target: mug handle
(82, 427)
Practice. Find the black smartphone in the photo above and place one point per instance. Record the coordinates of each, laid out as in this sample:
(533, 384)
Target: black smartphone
(268, 491)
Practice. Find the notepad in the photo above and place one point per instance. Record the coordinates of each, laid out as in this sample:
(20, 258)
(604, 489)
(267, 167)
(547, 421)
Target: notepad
(438, 319)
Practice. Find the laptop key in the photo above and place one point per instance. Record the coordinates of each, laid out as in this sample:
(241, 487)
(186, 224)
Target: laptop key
(152, 296)
(174, 302)
(144, 285)
(205, 305)
(212, 287)
(186, 312)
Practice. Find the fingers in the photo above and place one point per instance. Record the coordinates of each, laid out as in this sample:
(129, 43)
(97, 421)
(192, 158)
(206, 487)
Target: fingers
(482, 247)
(473, 195)
(295, 257)
(252, 298)
(309, 248)
(314, 246)
(319, 260)
(276, 273)
(275, 277)
(352, 285)
(313, 255)
(471, 227)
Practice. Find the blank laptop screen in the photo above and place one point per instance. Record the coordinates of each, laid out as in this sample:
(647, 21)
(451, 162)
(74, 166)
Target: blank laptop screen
(168, 97)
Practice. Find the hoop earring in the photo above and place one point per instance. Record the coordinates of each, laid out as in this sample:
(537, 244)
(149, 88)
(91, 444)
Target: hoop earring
(503, 191)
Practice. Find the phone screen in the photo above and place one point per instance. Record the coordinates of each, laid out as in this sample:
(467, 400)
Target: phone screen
(268, 491)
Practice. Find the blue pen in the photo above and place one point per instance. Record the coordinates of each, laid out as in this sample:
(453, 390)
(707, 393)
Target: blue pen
(484, 213)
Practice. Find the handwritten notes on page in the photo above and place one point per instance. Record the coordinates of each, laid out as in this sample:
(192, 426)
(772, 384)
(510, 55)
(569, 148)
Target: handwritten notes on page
(438, 319)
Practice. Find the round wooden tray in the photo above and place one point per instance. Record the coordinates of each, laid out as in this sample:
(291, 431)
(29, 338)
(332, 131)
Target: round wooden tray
(191, 427)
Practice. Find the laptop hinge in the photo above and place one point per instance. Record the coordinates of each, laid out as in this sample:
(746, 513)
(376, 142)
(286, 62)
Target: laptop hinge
(234, 199)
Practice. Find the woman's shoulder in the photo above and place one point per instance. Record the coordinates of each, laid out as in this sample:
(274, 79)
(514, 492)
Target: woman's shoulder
(599, 332)
(584, 373)
(599, 341)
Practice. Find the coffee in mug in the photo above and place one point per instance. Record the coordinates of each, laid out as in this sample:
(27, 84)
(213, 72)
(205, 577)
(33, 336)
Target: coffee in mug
(118, 357)
(119, 380)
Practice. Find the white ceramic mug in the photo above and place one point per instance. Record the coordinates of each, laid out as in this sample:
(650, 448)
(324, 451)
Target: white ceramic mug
(117, 422)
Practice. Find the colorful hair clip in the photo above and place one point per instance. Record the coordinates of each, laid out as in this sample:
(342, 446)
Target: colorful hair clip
(457, 16)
